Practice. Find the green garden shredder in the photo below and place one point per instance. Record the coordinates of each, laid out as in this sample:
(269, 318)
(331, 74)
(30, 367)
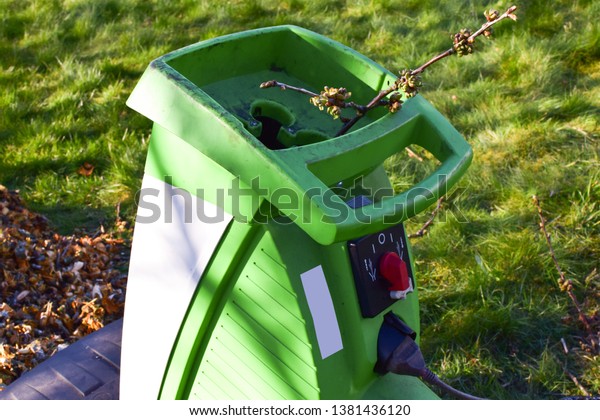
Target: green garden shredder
(269, 259)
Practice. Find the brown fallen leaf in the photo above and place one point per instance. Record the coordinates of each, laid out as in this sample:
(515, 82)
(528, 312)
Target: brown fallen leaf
(86, 169)
(54, 289)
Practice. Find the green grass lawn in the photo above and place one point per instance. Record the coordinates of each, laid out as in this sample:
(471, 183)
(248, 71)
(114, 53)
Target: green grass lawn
(493, 314)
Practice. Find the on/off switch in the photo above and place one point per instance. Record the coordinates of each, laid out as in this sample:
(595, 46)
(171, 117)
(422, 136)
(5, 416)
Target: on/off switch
(393, 269)
(382, 270)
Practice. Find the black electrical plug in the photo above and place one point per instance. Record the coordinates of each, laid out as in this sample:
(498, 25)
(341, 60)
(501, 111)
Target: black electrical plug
(392, 335)
(397, 352)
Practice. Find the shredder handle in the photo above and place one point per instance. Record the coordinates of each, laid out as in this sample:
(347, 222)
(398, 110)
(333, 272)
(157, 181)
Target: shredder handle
(328, 219)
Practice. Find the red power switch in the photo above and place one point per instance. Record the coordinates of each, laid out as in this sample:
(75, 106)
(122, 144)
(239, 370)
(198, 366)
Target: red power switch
(393, 269)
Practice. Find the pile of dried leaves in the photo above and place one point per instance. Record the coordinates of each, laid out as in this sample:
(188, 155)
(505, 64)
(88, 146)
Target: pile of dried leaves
(54, 289)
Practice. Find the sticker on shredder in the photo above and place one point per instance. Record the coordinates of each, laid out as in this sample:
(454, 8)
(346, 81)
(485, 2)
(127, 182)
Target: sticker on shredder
(321, 308)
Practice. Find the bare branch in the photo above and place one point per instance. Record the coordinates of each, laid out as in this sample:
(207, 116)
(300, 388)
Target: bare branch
(408, 81)
(573, 378)
(413, 154)
(508, 14)
(451, 51)
(435, 59)
(566, 285)
(285, 86)
(421, 232)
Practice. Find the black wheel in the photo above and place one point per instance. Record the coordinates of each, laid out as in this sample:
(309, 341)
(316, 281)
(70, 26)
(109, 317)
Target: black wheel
(87, 369)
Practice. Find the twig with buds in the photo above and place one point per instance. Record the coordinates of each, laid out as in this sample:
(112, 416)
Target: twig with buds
(332, 99)
(409, 81)
(405, 86)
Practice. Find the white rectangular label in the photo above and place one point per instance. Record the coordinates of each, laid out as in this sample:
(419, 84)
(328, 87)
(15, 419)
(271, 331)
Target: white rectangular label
(321, 308)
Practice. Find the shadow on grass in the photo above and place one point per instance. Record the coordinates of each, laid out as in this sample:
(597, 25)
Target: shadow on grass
(485, 340)
(66, 220)
(66, 216)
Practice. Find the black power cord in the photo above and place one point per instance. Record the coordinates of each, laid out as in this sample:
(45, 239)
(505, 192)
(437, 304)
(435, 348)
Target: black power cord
(399, 353)
(407, 359)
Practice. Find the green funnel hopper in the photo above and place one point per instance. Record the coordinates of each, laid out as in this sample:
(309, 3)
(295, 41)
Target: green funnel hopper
(208, 94)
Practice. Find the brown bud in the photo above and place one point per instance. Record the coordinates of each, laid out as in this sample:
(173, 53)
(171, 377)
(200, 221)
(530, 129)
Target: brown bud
(268, 84)
(491, 15)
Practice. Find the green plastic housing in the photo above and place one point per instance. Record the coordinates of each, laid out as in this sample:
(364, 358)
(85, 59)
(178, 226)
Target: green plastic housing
(249, 332)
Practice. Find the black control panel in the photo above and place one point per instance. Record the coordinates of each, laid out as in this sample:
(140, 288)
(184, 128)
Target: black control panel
(365, 256)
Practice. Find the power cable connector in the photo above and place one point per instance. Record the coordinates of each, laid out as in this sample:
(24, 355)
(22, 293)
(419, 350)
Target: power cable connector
(406, 357)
